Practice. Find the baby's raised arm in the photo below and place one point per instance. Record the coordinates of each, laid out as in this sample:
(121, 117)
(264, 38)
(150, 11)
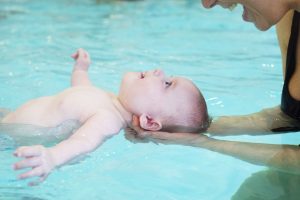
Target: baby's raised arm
(42, 160)
(80, 75)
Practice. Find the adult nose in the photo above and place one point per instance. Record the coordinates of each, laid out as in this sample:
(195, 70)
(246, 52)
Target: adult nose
(159, 72)
(208, 3)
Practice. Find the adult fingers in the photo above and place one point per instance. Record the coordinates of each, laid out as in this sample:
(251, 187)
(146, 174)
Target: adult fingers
(138, 131)
(135, 121)
(172, 138)
(133, 137)
(161, 135)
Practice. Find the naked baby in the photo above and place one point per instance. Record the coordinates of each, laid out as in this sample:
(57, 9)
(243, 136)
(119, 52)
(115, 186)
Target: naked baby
(160, 102)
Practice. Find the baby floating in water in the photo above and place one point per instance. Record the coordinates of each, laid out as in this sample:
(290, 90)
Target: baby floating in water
(161, 103)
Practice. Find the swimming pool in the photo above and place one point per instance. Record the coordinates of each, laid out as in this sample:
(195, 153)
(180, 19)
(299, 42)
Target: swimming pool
(237, 67)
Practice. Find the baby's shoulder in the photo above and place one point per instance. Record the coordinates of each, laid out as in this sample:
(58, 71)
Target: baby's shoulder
(85, 92)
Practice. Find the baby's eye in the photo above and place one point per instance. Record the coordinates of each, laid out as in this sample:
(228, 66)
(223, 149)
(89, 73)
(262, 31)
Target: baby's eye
(168, 83)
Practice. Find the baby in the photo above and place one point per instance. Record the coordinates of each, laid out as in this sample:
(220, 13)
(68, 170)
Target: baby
(161, 103)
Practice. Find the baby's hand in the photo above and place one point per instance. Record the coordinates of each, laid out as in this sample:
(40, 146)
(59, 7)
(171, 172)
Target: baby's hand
(38, 158)
(82, 59)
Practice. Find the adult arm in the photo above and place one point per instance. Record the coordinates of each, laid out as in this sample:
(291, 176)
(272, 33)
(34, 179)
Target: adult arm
(267, 121)
(280, 157)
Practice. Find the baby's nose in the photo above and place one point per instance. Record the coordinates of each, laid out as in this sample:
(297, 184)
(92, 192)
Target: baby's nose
(158, 72)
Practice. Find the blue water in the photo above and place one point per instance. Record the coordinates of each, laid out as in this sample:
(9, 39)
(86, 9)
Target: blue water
(237, 67)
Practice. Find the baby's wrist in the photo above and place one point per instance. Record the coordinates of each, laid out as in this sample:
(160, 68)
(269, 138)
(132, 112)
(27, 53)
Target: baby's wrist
(82, 67)
(54, 160)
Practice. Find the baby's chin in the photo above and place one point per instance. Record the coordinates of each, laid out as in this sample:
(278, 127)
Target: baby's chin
(129, 80)
(126, 79)
(132, 75)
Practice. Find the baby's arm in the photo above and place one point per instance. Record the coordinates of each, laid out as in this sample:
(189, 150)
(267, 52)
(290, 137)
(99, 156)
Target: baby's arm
(42, 161)
(80, 75)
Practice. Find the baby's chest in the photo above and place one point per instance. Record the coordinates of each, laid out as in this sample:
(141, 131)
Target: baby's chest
(82, 105)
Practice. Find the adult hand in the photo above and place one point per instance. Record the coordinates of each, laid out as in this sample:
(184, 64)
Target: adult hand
(38, 159)
(141, 135)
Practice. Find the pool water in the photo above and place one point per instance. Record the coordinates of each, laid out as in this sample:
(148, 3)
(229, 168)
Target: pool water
(237, 67)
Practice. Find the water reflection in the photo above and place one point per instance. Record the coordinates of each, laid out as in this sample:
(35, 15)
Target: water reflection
(113, 1)
(5, 12)
(269, 185)
(20, 193)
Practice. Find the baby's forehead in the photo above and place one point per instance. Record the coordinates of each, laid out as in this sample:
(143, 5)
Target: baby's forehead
(186, 84)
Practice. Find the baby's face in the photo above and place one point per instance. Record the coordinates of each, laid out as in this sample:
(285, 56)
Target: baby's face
(153, 93)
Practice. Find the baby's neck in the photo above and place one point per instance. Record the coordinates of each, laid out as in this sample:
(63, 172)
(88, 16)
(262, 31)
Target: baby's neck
(126, 115)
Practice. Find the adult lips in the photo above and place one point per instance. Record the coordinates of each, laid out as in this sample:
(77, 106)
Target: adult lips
(245, 15)
(209, 3)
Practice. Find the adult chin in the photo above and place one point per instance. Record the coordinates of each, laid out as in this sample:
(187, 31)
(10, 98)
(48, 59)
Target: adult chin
(259, 22)
(263, 27)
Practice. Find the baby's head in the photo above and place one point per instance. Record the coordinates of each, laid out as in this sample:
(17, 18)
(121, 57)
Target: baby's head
(172, 104)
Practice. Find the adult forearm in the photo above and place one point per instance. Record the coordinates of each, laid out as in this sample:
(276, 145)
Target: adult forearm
(281, 157)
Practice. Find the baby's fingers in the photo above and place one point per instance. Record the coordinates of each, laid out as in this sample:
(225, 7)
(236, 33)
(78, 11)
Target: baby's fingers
(75, 55)
(29, 162)
(29, 151)
(82, 53)
(38, 171)
(41, 179)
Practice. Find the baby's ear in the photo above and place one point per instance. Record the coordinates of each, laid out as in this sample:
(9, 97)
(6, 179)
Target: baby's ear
(148, 123)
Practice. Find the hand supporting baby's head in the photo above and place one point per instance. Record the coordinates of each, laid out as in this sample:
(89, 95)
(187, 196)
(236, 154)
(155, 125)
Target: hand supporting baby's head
(164, 103)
